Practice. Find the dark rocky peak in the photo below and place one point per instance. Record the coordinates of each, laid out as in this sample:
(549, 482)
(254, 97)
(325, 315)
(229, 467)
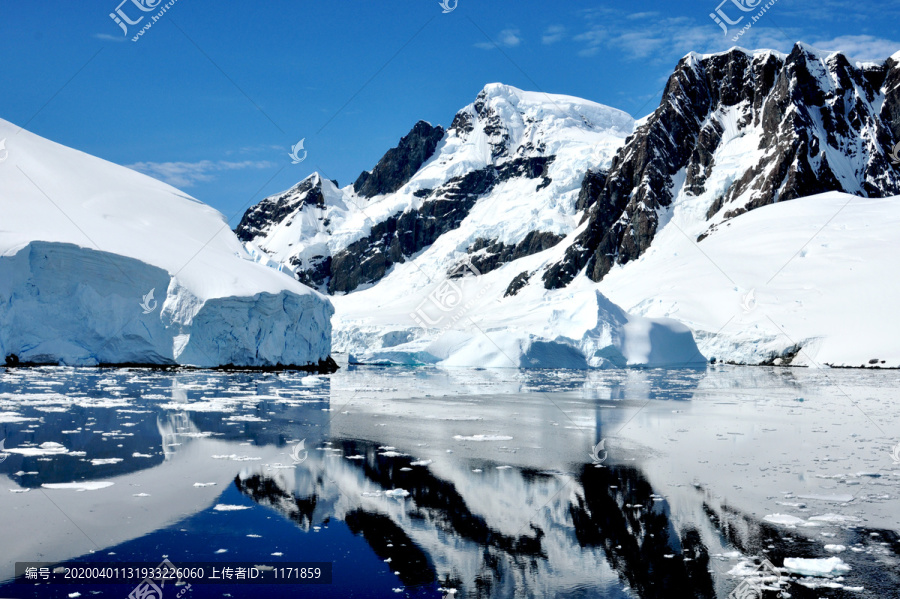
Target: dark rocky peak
(820, 124)
(274, 209)
(395, 239)
(890, 110)
(399, 164)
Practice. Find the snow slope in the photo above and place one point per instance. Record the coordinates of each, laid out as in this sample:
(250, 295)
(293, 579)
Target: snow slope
(466, 322)
(83, 242)
(814, 272)
(506, 179)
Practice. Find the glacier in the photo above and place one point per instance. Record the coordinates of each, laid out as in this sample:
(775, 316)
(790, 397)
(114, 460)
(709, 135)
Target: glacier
(102, 265)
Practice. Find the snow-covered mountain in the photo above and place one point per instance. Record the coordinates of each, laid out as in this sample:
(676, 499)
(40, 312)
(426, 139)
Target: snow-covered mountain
(736, 131)
(524, 152)
(502, 245)
(500, 186)
(102, 265)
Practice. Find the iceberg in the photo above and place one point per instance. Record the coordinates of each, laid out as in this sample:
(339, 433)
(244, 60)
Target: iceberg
(103, 265)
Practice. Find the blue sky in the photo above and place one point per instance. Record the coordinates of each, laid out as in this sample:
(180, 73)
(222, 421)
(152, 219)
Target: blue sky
(214, 94)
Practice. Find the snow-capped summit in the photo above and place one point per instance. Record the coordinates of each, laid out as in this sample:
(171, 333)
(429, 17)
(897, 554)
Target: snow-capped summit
(507, 123)
(100, 264)
(736, 131)
(502, 183)
(508, 143)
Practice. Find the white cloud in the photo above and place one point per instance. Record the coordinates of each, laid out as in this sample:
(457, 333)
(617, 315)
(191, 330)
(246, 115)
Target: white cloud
(109, 38)
(553, 34)
(656, 38)
(860, 47)
(665, 40)
(187, 174)
(642, 15)
(508, 38)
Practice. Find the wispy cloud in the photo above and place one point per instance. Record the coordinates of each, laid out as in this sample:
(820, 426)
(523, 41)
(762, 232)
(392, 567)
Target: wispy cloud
(656, 38)
(109, 38)
(257, 149)
(553, 34)
(860, 47)
(508, 38)
(187, 174)
(642, 15)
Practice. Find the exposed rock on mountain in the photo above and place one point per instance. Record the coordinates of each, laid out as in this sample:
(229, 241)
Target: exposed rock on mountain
(399, 164)
(395, 239)
(804, 123)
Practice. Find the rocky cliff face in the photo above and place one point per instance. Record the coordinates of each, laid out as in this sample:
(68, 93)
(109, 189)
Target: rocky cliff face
(399, 164)
(393, 240)
(259, 219)
(504, 145)
(809, 122)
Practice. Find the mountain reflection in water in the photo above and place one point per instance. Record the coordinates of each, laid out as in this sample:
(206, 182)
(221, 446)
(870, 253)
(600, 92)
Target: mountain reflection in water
(477, 482)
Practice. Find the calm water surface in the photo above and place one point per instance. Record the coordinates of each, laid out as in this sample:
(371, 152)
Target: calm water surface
(459, 483)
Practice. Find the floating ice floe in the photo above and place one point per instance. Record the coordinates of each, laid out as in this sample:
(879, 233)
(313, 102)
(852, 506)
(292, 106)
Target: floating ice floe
(784, 519)
(834, 518)
(482, 438)
(246, 418)
(397, 493)
(10, 417)
(47, 448)
(816, 566)
(224, 507)
(84, 486)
